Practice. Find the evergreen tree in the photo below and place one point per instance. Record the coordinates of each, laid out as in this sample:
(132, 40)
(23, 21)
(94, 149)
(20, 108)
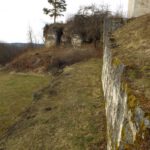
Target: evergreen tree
(58, 6)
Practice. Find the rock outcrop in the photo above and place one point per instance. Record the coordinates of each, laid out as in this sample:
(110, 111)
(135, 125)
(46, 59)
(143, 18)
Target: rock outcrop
(53, 34)
(76, 41)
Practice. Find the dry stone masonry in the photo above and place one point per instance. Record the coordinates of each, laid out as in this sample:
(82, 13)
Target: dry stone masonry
(126, 125)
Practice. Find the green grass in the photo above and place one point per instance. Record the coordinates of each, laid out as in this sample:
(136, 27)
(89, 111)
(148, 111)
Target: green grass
(69, 116)
(16, 95)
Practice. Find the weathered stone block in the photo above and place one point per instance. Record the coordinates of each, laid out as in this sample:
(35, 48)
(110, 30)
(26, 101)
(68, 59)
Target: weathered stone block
(51, 40)
(76, 41)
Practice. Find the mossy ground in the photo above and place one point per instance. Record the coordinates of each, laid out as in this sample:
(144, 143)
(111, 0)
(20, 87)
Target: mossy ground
(69, 116)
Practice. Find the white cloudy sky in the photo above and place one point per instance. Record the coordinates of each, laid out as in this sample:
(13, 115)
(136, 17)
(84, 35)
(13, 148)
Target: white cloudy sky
(17, 15)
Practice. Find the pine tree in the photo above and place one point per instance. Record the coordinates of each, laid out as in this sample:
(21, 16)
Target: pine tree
(58, 6)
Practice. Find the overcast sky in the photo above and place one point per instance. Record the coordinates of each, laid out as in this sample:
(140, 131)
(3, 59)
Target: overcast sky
(17, 15)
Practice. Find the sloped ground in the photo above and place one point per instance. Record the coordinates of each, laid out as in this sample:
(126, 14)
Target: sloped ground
(133, 49)
(36, 59)
(41, 60)
(16, 95)
(68, 115)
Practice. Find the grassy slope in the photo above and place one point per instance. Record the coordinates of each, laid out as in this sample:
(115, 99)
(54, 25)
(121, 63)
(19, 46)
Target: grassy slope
(69, 116)
(16, 95)
(40, 60)
(133, 50)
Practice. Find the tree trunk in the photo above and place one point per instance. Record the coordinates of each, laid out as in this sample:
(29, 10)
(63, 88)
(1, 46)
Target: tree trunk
(55, 12)
(54, 19)
(95, 42)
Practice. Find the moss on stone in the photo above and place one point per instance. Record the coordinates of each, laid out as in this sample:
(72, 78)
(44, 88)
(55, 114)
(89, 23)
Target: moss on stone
(116, 62)
(132, 102)
(124, 86)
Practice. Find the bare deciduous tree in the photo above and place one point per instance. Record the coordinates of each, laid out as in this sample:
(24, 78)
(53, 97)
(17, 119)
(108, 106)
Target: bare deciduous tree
(88, 22)
(30, 36)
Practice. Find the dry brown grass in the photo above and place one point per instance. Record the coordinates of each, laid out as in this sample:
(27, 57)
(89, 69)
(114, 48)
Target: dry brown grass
(30, 60)
(61, 58)
(133, 40)
(43, 60)
(70, 115)
(133, 50)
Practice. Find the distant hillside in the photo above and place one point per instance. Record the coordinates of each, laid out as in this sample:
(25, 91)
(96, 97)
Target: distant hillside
(8, 51)
(25, 45)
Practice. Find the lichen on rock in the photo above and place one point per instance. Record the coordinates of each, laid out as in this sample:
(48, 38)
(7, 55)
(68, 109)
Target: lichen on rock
(125, 87)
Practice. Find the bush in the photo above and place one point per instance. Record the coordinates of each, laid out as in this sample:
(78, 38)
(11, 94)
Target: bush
(63, 57)
(88, 23)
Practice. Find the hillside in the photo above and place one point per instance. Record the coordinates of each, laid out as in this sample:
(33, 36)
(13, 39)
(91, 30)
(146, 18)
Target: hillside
(41, 60)
(67, 114)
(133, 49)
(16, 92)
(60, 105)
(130, 47)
